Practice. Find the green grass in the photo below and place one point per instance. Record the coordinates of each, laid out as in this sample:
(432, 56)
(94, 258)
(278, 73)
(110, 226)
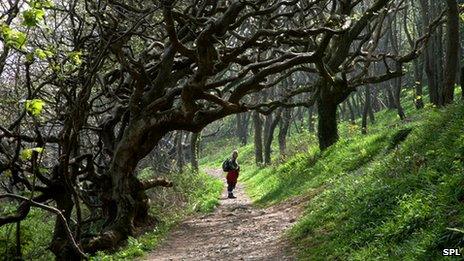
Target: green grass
(36, 232)
(399, 206)
(369, 202)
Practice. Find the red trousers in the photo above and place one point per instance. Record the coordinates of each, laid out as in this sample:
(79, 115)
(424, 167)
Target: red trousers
(231, 180)
(232, 177)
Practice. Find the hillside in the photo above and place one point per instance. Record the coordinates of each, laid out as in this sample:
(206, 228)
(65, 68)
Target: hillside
(395, 193)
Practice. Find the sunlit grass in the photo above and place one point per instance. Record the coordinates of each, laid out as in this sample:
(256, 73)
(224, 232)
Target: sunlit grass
(373, 202)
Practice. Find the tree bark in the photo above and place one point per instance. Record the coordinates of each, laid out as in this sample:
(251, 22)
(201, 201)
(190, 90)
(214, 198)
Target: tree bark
(283, 130)
(452, 51)
(429, 57)
(390, 98)
(327, 131)
(180, 150)
(242, 120)
(124, 197)
(194, 146)
(258, 138)
(367, 104)
(351, 109)
(461, 80)
(269, 128)
(310, 119)
(398, 95)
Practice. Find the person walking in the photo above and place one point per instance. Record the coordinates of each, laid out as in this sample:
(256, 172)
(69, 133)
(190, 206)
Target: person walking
(232, 168)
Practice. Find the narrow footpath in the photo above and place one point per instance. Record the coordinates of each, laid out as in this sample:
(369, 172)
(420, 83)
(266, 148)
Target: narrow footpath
(235, 230)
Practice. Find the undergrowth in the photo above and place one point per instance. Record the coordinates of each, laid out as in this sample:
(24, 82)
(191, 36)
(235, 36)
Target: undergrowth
(191, 193)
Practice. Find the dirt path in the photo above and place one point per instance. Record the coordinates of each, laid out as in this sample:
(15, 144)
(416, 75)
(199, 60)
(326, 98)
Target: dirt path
(236, 230)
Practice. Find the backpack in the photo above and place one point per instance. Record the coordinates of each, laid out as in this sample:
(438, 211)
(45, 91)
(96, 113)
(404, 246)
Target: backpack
(226, 165)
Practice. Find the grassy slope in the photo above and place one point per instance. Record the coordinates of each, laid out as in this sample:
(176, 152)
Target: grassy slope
(371, 202)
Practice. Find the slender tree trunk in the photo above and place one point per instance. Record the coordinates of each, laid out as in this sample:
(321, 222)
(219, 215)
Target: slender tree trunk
(367, 104)
(390, 98)
(376, 105)
(310, 118)
(358, 105)
(418, 99)
(462, 82)
(180, 150)
(440, 62)
(452, 51)
(351, 109)
(258, 138)
(19, 255)
(284, 125)
(242, 120)
(398, 95)
(269, 128)
(194, 146)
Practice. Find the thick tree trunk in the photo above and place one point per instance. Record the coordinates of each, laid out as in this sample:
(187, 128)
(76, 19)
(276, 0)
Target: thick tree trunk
(59, 245)
(258, 138)
(452, 51)
(429, 57)
(124, 197)
(327, 125)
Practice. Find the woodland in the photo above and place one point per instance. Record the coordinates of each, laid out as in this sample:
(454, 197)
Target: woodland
(111, 110)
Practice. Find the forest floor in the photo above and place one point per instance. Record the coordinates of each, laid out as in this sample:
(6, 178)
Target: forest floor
(235, 230)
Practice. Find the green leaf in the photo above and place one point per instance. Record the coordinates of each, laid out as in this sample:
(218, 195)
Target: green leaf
(13, 38)
(40, 4)
(75, 57)
(35, 106)
(32, 17)
(43, 54)
(26, 154)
